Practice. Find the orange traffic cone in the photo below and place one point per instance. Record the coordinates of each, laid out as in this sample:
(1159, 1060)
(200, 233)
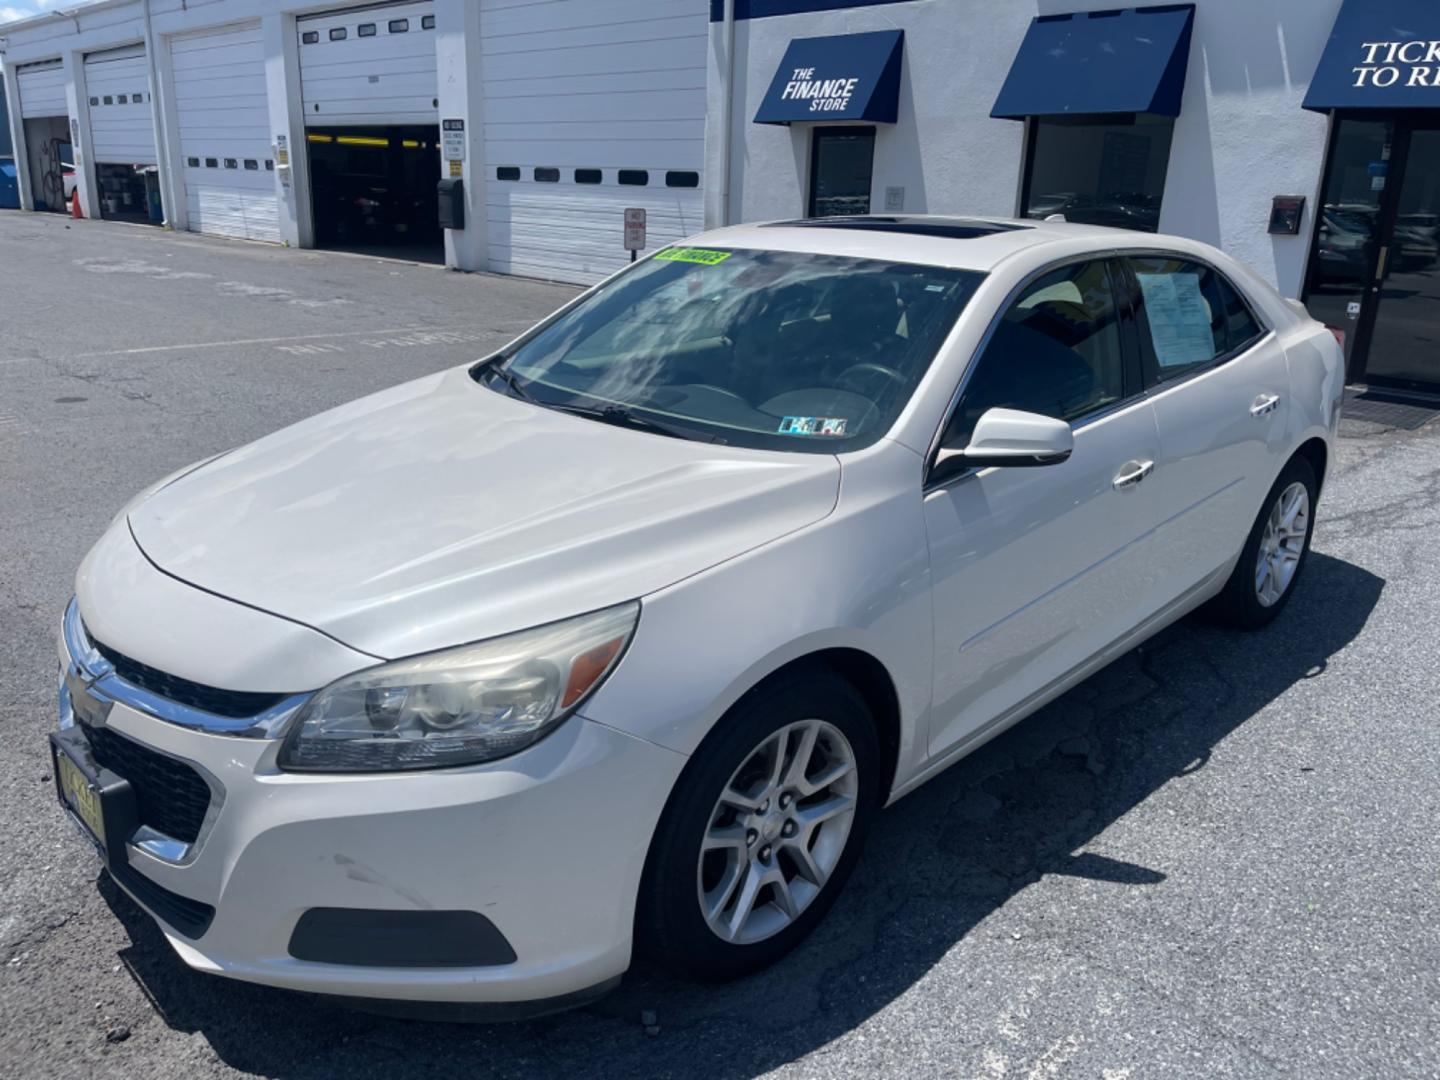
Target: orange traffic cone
(75, 211)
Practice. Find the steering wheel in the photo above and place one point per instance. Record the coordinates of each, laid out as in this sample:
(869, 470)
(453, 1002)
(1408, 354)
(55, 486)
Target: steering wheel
(868, 379)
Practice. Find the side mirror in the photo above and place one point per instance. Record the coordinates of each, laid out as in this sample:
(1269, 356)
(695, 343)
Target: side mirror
(1007, 438)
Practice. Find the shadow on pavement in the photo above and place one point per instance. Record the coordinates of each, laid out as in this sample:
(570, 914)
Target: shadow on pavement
(937, 864)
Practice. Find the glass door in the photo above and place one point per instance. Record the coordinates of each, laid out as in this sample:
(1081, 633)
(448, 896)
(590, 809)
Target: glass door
(1347, 239)
(1404, 346)
(842, 161)
(1375, 267)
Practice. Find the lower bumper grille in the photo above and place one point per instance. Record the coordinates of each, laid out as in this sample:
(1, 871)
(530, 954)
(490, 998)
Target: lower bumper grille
(191, 917)
(171, 797)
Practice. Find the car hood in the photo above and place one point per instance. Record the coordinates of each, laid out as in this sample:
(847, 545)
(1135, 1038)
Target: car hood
(441, 512)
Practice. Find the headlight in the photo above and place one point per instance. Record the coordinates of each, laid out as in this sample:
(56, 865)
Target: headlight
(458, 706)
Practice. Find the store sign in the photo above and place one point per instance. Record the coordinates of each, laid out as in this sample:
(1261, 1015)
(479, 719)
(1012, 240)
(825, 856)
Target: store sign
(845, 77)
(1398, 63)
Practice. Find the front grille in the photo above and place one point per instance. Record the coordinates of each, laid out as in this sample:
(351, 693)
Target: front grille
(170, 796)
(234, 704)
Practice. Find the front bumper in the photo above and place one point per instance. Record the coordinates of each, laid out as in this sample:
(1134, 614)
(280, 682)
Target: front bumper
(548, 846)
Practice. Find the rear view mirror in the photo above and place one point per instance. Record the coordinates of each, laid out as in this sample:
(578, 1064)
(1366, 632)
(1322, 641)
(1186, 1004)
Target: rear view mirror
(1008, 438)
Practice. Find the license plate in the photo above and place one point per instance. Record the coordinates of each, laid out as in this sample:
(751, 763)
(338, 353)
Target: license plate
(80, 795)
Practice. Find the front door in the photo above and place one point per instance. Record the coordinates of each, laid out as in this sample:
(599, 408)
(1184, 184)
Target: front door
(842, 161)
(1035, 570)
(1375, 268)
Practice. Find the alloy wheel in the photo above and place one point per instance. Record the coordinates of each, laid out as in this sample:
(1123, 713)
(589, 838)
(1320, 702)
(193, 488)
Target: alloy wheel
(777, 831)
(1282, 544)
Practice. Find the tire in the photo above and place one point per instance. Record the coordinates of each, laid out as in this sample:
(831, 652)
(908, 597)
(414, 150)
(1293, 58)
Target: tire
(1245, 603)
(671, 927)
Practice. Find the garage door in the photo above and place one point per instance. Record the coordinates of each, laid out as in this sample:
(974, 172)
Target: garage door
(42, 89)
(591, 106)
(224, 121)
(122, 130)
(368, 67)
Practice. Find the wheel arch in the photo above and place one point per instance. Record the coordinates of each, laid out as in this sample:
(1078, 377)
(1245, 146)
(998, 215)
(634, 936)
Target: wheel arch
(1316, 451)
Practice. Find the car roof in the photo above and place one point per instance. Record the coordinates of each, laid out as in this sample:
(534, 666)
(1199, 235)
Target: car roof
(969, 243)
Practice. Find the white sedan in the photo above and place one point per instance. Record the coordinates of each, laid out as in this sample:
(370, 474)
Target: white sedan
(617, 640)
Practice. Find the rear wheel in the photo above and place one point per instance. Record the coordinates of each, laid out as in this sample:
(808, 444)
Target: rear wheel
(762, 831)
(1275, 552)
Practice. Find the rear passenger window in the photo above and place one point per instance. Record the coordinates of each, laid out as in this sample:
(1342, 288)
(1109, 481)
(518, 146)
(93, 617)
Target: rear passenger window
(1190, 317)
(1056, 352)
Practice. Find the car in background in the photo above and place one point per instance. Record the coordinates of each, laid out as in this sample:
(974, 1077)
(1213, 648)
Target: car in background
(616, 641)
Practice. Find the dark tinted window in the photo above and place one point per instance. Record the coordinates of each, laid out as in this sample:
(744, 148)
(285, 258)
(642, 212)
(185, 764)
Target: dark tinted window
(1190, 317)
(269, 165)
(366, 29)
(634, 177)
(547, 175)
(109, 100)
(1099, 171)
(683, 178)
(211, 163)
(1056, 352)
(252, 163)
(193, 162)
(231, 163)
(337, 34)
(399, 26)
(427, 22)
(310, 37)
(137, 98)
(94, 101)
(507, 172)
(587, 176)
(124, 99)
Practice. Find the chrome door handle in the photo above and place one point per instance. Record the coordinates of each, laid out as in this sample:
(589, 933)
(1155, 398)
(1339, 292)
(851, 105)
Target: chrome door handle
(1265, 404)
(1132, 473)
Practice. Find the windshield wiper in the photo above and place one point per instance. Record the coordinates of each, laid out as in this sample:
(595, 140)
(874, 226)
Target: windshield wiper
(505, 375)
(619, 416)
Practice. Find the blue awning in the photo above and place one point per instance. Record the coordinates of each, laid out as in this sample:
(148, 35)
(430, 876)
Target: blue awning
(1131, 61)
(845, 77)
(1382, 54)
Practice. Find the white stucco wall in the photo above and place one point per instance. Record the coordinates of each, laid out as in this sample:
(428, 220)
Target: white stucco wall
(1241, 139)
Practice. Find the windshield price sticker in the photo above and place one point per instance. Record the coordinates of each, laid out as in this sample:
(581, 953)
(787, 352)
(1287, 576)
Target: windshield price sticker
(703, 256)
(827, 426)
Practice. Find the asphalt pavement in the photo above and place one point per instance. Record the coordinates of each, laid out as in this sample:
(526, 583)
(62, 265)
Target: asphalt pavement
(1218, 857)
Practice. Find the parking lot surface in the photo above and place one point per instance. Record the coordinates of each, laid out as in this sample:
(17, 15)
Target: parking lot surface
(1217, 857)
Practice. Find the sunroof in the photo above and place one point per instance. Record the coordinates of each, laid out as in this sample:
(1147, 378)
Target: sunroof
(948, 228)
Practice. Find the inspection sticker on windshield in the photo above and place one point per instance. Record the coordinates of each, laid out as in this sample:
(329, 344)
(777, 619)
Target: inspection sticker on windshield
(831, 426)
(703, 256)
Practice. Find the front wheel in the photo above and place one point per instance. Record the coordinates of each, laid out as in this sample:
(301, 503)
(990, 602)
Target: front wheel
(762, 831)
(1275, 552)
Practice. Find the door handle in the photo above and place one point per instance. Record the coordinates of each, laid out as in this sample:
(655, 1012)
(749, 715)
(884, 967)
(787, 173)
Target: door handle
(1131, 473)
(1265, 404)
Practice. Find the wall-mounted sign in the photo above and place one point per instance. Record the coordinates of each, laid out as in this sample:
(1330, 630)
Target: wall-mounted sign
(457, 168)
(635, 229)
(894, 199)
(452, 141)
(1285, 214)
(1382, 54)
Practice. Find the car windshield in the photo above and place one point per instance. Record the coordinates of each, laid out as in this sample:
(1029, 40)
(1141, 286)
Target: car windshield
(761, 349)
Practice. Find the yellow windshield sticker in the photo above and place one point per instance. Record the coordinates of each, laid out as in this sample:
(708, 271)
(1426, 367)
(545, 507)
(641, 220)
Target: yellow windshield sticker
(703, 256)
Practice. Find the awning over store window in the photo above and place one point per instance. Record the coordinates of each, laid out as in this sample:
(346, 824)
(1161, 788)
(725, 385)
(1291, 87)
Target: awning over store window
(1382, 54)
(845, 77)
(1094, 62)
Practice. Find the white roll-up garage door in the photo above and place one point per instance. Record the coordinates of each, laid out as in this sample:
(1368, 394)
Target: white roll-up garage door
(42, 89)
(224, 120)
(369, 67)
(591, 106)
(122, 128)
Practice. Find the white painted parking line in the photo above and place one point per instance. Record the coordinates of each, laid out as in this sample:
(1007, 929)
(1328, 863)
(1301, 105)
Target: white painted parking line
(262, 341)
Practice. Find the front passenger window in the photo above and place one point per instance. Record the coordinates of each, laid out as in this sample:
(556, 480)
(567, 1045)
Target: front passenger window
(1056, 351)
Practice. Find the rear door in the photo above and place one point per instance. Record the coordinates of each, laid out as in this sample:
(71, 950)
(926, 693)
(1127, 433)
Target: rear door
(1037, 570)
(1219, 383)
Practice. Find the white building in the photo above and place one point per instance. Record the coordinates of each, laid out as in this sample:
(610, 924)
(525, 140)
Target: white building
(1302, 136)
(320, 125)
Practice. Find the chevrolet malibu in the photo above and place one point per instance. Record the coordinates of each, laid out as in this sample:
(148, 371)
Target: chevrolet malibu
(615, 642)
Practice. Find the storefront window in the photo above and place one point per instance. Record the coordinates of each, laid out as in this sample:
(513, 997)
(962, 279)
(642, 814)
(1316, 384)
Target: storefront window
(842, 160)
(1099, 170)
